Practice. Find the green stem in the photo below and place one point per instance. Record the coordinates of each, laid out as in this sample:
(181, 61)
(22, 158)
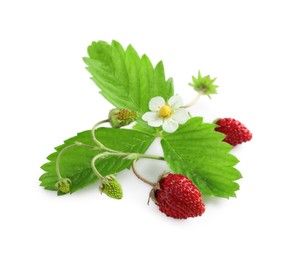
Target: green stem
(94, 136)
(194, 101)
(140, 177)
(148, 156)
(59, 158)
(131, 156)
(87, 145)
(98, 156)
(65, 149)
(136, 156)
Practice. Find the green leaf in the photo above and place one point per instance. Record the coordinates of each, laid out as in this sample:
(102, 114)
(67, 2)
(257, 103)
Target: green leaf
(197, 151)
(125, 79)
(144, 127)
(75, 163)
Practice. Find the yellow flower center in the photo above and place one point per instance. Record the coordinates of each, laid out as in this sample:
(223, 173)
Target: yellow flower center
(165, 111)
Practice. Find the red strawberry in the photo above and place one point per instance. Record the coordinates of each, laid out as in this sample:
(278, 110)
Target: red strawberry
(178, 197)
(236, 132)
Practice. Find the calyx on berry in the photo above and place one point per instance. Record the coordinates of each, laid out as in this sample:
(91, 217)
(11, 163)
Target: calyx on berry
(64, 185)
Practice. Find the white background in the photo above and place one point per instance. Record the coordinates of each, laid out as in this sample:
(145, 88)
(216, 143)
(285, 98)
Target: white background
(47, 97)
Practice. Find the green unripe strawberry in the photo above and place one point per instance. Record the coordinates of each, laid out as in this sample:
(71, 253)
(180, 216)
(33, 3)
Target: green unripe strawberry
(119, 117)
(112, 188)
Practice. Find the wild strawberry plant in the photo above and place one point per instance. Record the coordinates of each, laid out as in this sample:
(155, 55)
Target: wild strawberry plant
(142, 95)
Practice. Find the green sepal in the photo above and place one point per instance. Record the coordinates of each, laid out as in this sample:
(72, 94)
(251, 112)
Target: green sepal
(63, 186)
(204, 85)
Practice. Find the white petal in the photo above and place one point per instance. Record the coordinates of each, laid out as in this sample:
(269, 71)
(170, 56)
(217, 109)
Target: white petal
(156, 123)
(156, 103)
(175, 102)
(152, 119)
(181, 115)
(169, 125)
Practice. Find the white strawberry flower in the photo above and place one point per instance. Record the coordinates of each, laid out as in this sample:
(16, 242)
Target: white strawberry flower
(168, 114)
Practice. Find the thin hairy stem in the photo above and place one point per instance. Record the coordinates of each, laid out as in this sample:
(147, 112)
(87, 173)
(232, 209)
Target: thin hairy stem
(140, 177)
(194, 101)
(59, 158)
(98, 156)
(94, 136)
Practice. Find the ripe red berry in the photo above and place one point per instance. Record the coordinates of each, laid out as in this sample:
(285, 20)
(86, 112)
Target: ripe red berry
(236, 132)
(178, 197)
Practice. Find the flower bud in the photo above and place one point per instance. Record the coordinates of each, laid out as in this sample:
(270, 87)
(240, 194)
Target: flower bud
(119, 117)
(64, 185)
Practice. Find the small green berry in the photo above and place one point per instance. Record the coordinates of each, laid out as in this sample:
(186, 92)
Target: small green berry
(112, 188)
(121, 117)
